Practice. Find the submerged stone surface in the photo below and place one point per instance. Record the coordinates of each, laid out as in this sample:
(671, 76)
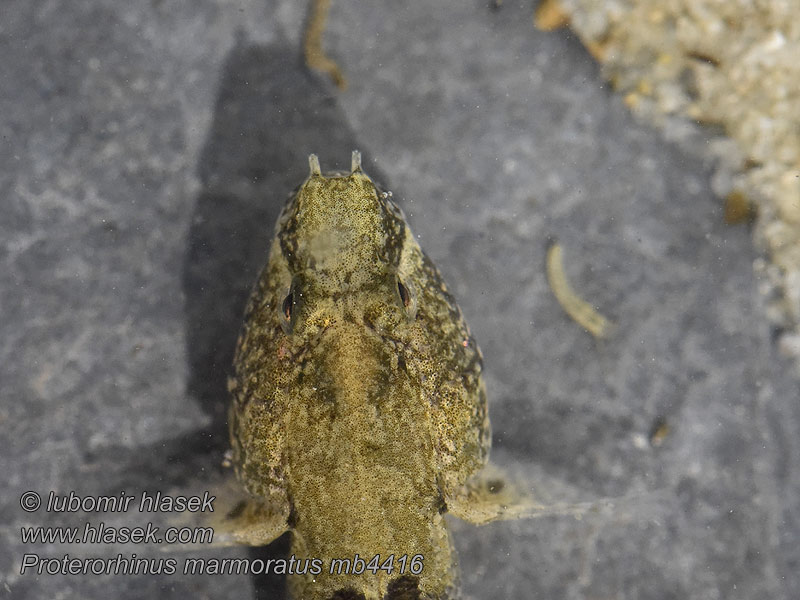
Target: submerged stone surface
(149, 148)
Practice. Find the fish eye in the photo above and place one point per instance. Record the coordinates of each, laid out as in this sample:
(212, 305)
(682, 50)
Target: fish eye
(408, 296)
(288, 304)
(405, 296)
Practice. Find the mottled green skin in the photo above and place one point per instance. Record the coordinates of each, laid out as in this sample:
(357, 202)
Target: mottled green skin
(360, 415)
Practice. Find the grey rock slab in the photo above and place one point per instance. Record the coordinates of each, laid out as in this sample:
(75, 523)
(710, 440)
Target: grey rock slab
(147, 150)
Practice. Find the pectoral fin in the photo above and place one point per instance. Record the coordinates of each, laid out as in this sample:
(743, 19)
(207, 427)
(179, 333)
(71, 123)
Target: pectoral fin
(238, 519)
(490, 496)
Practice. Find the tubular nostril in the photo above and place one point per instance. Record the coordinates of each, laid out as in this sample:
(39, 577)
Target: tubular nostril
(355, 162)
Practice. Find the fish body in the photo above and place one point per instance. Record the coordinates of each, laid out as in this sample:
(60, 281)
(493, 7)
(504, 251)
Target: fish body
(358, 411)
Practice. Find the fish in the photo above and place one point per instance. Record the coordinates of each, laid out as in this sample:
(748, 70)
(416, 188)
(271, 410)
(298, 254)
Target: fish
(358, 416)
(359, 413)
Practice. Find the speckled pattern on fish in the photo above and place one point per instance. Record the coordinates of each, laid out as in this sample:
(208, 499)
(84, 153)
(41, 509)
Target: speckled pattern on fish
(359, 412)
